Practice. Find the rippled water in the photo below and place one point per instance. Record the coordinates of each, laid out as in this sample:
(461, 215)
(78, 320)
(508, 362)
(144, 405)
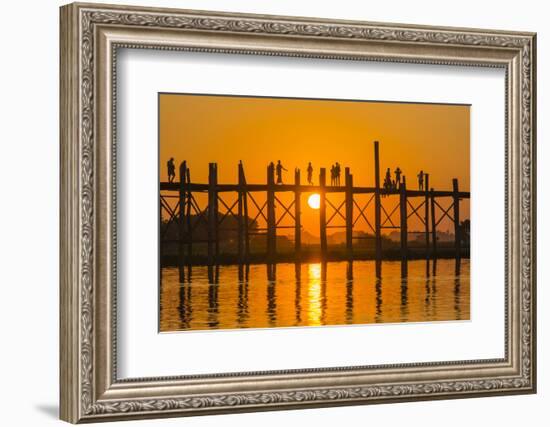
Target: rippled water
(335, 293)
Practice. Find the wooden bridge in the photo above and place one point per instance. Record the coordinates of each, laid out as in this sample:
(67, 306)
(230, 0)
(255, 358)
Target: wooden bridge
(429, 210)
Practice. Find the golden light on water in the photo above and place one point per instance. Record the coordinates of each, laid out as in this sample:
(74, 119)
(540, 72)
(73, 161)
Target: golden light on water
(314, 201)
(315, 296)
(314, 299)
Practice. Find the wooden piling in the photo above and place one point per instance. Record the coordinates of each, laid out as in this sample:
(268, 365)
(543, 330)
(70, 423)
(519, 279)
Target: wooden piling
(349, 214)
(403, 226)
(271, 231)
(377, 208)
(297, 215)
(427, 215)
(456, 220)
(323, 213)
(213, 242)
(246, 230)
(246, 224)
(434, 225)
(240, 214)
(189, 230)
(182, 221)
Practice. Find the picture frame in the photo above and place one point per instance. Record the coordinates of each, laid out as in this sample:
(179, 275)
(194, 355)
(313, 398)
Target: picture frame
(91, 36)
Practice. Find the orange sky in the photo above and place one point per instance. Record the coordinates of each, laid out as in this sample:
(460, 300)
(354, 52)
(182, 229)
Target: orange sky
(226, 129)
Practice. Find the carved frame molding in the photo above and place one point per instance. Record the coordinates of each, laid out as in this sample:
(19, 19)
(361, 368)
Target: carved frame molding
(90, 36)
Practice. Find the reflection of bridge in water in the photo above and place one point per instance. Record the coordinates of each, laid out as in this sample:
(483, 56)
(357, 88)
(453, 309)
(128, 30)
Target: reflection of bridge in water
(299, 295)
(189, 215)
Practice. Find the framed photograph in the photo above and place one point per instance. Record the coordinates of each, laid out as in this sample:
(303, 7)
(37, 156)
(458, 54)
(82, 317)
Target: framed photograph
(264, 212)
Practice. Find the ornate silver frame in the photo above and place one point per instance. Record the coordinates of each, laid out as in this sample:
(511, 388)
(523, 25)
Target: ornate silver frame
(90, 36)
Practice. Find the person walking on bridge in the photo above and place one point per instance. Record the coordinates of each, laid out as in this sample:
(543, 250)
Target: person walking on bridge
(279, 170)
(309, 174)
(337, 170)
(421, 180)
(332, 175)
(171, 169)
(397, 173)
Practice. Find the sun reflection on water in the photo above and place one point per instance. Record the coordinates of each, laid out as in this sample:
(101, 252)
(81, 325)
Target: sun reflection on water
(315, 305)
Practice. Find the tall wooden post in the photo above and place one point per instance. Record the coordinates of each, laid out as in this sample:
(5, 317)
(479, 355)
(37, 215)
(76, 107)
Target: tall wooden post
(213, 245)
(456, 218)
(246, 224)
(427, 219)
(404, 229)
(377, 210)
(182, 222)
(188, 217)
(297, 215)
(323, 213)
(434, 225)
(240, 214)
(246, 235)
(349, 214)
(271, 232)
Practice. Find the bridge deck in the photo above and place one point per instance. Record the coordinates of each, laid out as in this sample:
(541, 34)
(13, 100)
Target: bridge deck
(220, 188)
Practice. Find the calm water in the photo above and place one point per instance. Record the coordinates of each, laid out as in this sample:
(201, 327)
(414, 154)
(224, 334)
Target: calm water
(312, 295)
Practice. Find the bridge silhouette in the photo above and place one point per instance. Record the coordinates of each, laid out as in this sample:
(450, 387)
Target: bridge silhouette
(429, 210)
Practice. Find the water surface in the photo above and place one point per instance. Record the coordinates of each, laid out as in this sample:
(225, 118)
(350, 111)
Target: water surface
(315, 294)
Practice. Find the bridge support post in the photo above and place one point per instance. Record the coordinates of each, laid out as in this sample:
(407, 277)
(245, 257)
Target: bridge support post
(404, 229)
(271, 231)
(434, 230)
(456, 218)
(241, 218)
(349, 214)
(188, 216)
(182, 235)
(377, 211)
(323, 213)
(213, 242)
(427, 220)
(297, 215)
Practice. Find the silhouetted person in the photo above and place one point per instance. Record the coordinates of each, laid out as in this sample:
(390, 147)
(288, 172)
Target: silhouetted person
(309, 174)
(171, 169)
(279, 170)
(387, 179)
(397, 173)
(421, 180)
(337, 169)
(332, 174)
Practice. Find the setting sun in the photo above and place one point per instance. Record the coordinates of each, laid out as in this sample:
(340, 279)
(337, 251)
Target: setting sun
(314, 201)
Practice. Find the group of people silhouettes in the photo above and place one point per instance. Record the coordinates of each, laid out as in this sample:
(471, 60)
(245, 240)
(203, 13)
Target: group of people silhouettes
(279, 168)
(392, 184)
(335, 170)
(395, 184)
